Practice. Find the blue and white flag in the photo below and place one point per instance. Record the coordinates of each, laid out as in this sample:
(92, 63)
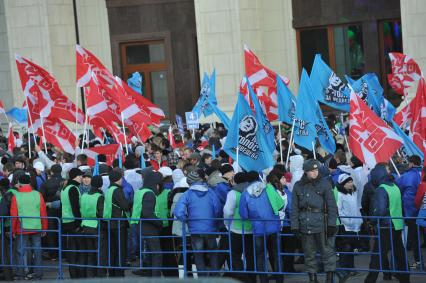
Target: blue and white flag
(207, 94)
(20, 115)
(265, 125)
(286, 102)
(409, 147)
(221, 115)
(304, 131)
(327, 87)
(244, 134)
(135, 82)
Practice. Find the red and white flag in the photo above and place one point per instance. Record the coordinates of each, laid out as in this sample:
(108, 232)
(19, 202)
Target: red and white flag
(418, 117)
(171, 138)
(2, 108)
(405, 71)
(11, 140)
(43, 90)
(111, 152)
(370, 139)
(58, 134)
(263, 82)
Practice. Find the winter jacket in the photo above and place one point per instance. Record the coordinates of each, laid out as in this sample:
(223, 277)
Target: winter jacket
(40, 179)
(255, 206)
(133, 178)
(347, 205)
(289, 194)
(74, 197)
(99, 212)
(421, 192)
(16, 223)
(127, 190)
(51, 190)
(199, 202)
(220, 187)
(296, 169)
(174, 197)
(408, 183)
(367, 199)
(156, 166)
(311, 201)
(149, 227)
(379, 175)
(229, 208)
(120, 206)
(359, 177)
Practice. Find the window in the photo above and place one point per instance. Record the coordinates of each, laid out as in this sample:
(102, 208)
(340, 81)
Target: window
(149, 59)
(341, 47)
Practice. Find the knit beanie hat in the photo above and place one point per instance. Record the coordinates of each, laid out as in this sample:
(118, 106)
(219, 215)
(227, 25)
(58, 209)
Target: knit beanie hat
(74, 172)
(343, 179)
(115, 176)
(56, 169)
(194, 177)
(310, 164)
(96, 182)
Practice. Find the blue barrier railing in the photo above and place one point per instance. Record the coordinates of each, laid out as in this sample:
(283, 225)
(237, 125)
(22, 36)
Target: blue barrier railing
(102, 250)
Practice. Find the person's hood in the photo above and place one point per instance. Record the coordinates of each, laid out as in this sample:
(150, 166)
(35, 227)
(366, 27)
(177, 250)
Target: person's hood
(296, 163)
(379, 175)
(255, 189)
(181, 184)
(215, 178)
(240, 187)
(199, 187)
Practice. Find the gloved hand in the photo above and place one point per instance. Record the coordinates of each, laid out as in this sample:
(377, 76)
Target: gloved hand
(331, 231)
(295, 232)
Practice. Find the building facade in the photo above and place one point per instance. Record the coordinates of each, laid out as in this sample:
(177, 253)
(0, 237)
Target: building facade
(171, 42)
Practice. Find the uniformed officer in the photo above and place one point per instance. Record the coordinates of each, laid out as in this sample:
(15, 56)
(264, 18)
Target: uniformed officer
(314, 214)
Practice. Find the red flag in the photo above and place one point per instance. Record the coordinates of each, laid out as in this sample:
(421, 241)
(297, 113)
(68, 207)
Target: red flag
(11, 140)
(404, 72)
(111, 151)
(99, 122)
(418, 118)
(87, 63)
(43, 90)
(171, 138)
(263, 82)
(405, 115)
(370, 139)
(56, 133)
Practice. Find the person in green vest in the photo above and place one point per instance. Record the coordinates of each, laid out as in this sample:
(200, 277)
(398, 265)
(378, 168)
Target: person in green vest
(387, 202)
(71, 220)
(5, 211)
(169, 259)
(116, 208)
(144, 207)
(92, 206)
(28, 203)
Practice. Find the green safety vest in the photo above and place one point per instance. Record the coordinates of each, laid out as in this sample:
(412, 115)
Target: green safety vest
(137, 205)
(161, 208)
(88, 209)
(66, 204)
(238, 223)
(29, 205)
(7, 220)
(336, 197)
(395, 205)
(108, 202)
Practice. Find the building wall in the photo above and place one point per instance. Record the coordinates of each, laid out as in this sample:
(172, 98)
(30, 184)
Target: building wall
(413, 18)
(224, 26)
(44, 32)
(5, 79)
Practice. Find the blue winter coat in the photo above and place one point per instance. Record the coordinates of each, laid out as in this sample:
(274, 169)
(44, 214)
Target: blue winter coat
(408, 184)
(199, 202)
(289, 194)
(379, 175)
(128, 190)
(254, 204)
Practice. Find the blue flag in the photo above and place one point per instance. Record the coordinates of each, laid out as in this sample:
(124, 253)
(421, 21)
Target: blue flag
(265, 125)
(221, 115)
(214, 151)
(286, 102)
(207, 94)
(304, 130)
(143, 165)
(244, 133)
(20, 115)
(96, 167)
(409, 147)
(120, 161)
(135, 82)
(327, 87)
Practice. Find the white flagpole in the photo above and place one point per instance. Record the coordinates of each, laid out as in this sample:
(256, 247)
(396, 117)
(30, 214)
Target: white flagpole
(344, 134)
(29, 144)
(76, 108)
(31, 122)
(290, 143)
(313, 150)
(279, 140)
(124, 132)
(44, 136)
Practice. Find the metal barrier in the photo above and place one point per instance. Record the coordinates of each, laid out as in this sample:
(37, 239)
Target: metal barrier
(94, 252)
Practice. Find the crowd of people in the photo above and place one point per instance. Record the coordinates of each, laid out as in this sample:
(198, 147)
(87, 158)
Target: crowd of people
(329, 204)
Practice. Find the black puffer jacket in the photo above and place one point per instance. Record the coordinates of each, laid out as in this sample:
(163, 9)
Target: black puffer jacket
(51, 190)
(310, 200)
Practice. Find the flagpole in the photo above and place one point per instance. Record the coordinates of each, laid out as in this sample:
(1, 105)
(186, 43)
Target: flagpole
(76, 107)
(290, 143)
(344, 134)
(313, 150)
(124, 131)
(44, 136)
(31, 121)
(29, 144)
(394, 166)
(279, 139)
(84, 133)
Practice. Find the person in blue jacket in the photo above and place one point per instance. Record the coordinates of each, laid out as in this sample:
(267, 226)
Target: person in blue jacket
(387, 203)
(408, 183)
(198, 206)
(261, 204)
